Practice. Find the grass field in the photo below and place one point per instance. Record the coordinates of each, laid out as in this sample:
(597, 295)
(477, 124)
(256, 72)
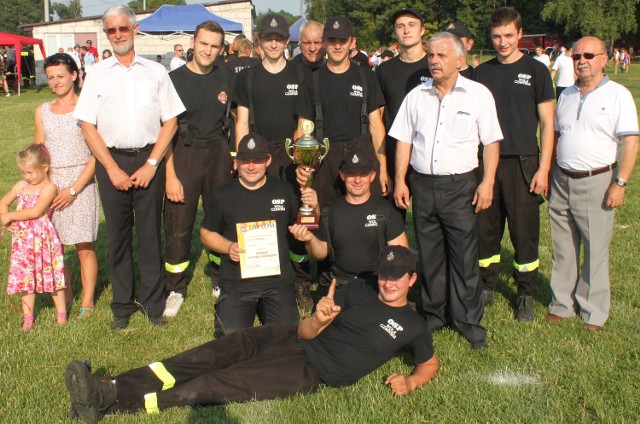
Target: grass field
(531, 373)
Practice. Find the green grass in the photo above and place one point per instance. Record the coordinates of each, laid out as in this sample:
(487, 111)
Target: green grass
(532, 372)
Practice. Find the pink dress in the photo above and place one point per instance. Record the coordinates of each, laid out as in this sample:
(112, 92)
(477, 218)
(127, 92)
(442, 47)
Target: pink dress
(37, 263)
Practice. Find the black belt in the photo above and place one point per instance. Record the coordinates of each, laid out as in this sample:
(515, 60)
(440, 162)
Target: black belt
(452, 177)
(589, 173)
(132, 152)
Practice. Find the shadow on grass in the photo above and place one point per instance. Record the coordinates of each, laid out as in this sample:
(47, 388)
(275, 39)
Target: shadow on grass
(211, 414)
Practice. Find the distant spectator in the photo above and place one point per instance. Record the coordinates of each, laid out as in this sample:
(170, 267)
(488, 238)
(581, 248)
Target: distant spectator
(159, 58)
(3, 76)
(475, 60)
(189, 55)
(243, 57)
(11, 56)
(106, 53)
(60, 50)
(542, 57)
(88, 59)
(177, 60)
(92, 50)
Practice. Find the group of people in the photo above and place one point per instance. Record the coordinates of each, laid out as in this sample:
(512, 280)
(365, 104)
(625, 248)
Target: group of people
(456, 143)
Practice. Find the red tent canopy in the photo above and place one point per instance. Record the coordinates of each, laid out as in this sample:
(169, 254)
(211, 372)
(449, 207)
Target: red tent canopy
(18, 41)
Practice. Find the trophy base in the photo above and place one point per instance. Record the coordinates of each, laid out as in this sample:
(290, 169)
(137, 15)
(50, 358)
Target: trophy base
(311, 221)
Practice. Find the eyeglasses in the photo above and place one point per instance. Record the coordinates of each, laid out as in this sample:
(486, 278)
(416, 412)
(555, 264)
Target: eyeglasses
(587, 56)
(113, 31)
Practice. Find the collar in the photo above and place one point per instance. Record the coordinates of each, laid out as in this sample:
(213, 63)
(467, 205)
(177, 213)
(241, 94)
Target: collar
(113, 61)
(602, 82)
(461, 84)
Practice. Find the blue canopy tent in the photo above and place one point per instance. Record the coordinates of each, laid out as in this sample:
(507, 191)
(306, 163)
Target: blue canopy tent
(170, 19)
(294, 30)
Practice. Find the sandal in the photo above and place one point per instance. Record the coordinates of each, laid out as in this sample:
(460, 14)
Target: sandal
(85, 312)
(61, 317)
(27, 321)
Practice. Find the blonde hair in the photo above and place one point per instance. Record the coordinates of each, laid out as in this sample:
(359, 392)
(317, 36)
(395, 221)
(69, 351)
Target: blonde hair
(36, 155)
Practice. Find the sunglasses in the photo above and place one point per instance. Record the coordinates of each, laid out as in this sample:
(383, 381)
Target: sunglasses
(57, 59)
(113, 31)
(587, 56)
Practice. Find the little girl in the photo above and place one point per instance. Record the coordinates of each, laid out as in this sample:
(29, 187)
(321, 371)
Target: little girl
(36, 252)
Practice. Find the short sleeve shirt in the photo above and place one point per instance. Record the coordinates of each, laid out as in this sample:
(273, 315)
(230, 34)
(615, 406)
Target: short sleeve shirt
(564, 67)
(445, 135)
(128, 105)
(590, 126)
(354, 232)
(365, 335)
(518, 88)
(233, 203)
(341, 99)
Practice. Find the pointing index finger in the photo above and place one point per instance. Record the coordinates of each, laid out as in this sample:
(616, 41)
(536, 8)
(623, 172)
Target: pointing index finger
(332, 289)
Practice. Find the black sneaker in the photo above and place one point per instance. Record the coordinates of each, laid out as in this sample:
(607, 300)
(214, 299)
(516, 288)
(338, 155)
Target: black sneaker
(158, 321)
(81, 388)
(488, 297)
(525, 308)
(120, 323)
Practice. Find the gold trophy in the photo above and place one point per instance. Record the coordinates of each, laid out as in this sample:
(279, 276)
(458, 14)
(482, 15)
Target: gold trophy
(307, 153)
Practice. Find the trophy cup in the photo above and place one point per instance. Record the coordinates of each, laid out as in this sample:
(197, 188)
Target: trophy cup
(307, 153)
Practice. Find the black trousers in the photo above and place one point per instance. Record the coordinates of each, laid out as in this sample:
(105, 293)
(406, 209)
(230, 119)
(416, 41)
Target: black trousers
(239, 303)
(121, 210)
(202, 167)
(253, 364)
(512, 203)
(446, 229)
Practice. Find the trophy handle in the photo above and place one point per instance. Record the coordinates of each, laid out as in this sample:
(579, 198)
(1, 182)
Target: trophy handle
(324, 149)
(288, 148)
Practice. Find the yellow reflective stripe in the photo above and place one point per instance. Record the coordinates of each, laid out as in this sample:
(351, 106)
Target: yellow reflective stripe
(165, 376)
(177, 267)
(215, 259)
(233, 154)
(484, 263)
(151, 403)
(531, 266)
(298, 258)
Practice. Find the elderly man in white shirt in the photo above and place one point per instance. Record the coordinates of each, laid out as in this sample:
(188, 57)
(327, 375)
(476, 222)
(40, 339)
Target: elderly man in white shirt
(128, 109)
(593, 118)
(439, 128)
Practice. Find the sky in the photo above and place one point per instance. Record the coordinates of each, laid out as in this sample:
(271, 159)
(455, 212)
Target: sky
(97, 7)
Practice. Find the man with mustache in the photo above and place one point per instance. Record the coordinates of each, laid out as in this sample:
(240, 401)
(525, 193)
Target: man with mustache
(128, 109)
(439, 127)
(593, 118)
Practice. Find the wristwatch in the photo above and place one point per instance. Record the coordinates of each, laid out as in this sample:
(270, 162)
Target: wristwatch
(621, 182)
(72, 191)
(152, 162)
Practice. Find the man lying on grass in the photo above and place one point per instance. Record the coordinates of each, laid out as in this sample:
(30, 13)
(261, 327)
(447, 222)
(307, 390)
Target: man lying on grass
(346, 338)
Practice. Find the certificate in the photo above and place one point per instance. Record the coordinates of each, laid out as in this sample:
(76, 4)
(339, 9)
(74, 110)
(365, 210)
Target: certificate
(259, 240)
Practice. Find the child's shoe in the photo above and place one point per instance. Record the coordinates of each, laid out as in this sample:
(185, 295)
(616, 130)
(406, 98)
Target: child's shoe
(61, 317)
(27, 321)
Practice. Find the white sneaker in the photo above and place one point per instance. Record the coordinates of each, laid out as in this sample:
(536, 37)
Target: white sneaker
(174, 302)
(216, 292)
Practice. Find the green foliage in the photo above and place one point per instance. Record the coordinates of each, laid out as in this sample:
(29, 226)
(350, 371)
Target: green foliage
(288, 16)
(18, 12)
(68, 11)
(606, 20)
(153, 4)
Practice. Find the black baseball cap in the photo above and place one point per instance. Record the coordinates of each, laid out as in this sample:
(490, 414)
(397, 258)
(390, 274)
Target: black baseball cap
(406, 11)
(456, 28)
(395, 261)
(338, 27)
(357, 161)
(386, 53)
(253, 146)
(274, 24)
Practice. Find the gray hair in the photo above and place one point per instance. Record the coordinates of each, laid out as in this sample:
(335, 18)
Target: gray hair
(118, 10)
(310, 25)
(458, 46)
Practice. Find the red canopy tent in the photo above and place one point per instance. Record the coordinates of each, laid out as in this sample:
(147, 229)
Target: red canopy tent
(18, 41)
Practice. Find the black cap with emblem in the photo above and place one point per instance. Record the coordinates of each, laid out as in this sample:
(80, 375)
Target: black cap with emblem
(358, 160)
(337, 27)
(274, 24)
(396, 261)
(253, 146)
